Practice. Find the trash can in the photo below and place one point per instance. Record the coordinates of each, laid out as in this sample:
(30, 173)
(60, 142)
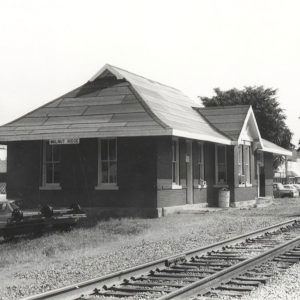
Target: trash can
(224, 198)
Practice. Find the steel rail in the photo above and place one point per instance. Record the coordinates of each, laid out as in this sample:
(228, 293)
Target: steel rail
(210, 281)
(74, 291)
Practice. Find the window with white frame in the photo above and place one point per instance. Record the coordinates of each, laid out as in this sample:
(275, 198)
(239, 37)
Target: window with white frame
(221, 164)
(175, 162)
(200, 164)
(244, 162)
(51, 164)
(241, 173)
(107, 162)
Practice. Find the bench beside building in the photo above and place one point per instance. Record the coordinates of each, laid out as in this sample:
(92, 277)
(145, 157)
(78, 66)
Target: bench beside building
(122, 144)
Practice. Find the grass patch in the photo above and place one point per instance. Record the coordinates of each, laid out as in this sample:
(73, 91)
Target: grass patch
(56, 244)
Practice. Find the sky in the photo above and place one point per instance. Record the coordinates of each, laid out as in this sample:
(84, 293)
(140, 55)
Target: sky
(48, 48)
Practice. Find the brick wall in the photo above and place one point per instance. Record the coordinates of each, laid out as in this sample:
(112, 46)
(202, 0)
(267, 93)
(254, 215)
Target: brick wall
(136, 174)
(144, 175)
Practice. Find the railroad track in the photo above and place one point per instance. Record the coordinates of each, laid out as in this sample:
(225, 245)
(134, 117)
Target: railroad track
(228, 268)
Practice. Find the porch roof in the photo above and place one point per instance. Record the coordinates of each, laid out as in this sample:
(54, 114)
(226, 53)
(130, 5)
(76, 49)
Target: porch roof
(268, 146)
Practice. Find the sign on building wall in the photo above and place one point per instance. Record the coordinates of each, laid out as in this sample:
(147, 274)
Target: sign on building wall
(64, 141)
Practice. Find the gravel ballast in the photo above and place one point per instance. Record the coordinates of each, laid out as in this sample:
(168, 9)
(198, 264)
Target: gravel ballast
(31, 266)
(282, 286)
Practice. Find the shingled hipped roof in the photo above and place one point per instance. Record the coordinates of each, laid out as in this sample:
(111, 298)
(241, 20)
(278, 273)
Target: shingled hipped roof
(114, 103)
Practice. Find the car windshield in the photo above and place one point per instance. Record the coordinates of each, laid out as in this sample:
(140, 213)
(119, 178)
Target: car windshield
(279, 186)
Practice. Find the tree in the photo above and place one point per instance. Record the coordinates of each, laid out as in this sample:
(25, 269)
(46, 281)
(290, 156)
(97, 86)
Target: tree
(269, 115)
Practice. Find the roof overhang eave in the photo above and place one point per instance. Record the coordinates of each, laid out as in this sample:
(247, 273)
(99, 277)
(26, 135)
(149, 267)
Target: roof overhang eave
(283, 152)
(202, 137)
(137, 133)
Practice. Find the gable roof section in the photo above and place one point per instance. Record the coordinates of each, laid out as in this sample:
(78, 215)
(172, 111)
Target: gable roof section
(228, 120)
(238, 123)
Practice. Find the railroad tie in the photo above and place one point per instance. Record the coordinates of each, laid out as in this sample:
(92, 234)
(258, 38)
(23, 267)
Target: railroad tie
(165, 278)
(286, 259)
(254, 283)
(115, 294)
(235, 288)
(179, 276)
(138, 289)
(229, 293)
(293, 253)
(186, 271)
(222, 257)
(255, 273)
(255, 279)
(208, 264)
(152, 284)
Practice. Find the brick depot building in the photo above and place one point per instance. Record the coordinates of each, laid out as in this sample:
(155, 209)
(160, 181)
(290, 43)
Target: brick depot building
(124, 144)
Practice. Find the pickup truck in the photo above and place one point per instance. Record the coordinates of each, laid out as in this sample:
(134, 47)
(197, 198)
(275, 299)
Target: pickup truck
(15, 222)
(279, 191)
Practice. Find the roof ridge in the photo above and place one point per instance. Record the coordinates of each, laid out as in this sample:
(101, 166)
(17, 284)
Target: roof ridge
(224, 106)
(135, 74)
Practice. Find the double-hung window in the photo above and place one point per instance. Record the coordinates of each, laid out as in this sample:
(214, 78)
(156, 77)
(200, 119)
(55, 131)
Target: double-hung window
(107, 162)
(200, 164)
(241, 172)
(244, 163)
(51, 165)
(221, 164)
(175, 162)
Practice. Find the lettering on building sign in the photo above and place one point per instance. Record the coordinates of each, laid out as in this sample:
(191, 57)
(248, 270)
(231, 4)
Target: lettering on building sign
(64, 141)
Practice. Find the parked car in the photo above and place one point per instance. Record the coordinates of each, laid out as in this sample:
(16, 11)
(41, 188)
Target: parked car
(279, 191)
(292, 188)
(297, 186)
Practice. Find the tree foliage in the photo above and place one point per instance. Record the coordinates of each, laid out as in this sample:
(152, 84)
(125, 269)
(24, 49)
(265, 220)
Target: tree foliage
(269, 115)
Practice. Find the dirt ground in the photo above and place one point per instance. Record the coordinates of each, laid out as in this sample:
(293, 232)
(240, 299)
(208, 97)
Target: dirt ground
(29, 266)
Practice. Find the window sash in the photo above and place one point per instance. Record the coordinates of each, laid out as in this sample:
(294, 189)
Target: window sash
(244, 163)
(247, 165)
(200, 163)
(175, 162)
(51, 164)
(107, 161)
(221, 164)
